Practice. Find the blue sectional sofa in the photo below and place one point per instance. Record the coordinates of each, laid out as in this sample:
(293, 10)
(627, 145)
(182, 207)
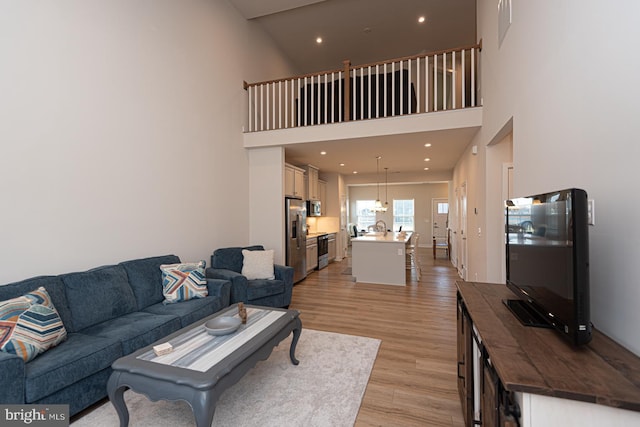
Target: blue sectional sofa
(108, 312)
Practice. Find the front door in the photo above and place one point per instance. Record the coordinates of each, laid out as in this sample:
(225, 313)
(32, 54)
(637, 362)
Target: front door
(439, 215)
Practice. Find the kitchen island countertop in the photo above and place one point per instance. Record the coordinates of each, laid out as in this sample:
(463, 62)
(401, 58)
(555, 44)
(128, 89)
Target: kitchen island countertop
(379, 237)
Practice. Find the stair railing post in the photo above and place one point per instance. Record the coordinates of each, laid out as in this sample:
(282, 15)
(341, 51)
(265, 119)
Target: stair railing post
(347, 90)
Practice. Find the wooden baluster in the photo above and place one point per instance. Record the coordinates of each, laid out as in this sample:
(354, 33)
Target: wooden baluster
(261, 106)
(444, 81)
(250, 92)
(454, 80)
(409, 87)
(418, 85)
(384, 104)
(377, 90)
(435, 82)
(286, 104)
(313, 104)
(369, 97)
(280, 104)
(393, 88)
(473, 78)
(333, 95)
(340, 97)
(326, 101)
(463, 79)
(426, 84)
(306, 97)
(361, 93)
(299, 103)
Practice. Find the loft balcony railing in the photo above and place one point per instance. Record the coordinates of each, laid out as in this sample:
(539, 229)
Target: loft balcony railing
(437, 81)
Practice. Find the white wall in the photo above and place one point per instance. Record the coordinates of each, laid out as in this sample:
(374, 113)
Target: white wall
(566, 75)
(422, 194)
(120, 131)
(266, 191)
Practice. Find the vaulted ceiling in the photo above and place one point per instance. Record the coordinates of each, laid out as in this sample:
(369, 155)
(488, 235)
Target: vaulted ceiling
(365, 31)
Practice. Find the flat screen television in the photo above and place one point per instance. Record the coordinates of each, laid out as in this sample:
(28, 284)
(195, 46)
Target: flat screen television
(547, 250)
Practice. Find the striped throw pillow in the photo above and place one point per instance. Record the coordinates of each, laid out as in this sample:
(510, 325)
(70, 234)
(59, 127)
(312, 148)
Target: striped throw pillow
(30, 325)
(182, 282)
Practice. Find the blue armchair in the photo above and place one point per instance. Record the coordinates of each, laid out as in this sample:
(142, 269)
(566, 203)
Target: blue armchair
(226, 263)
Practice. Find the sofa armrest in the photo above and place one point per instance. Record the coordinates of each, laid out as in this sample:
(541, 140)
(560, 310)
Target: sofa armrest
(220, 288)
(284, 273)
(239, 283)
(12, 378)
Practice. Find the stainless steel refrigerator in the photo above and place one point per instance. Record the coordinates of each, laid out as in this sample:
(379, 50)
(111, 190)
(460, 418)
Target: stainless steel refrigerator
(296, 238)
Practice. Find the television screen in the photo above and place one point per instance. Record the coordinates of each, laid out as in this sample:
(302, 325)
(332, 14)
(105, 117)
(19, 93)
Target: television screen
(548, 260)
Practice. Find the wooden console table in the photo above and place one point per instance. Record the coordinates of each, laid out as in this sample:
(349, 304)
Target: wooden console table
(508, 371)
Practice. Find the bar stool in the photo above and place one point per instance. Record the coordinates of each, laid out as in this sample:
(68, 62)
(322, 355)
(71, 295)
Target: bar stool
(412, 254)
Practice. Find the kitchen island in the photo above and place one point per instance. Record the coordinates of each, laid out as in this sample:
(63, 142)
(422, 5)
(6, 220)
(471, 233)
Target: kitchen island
(380, 258)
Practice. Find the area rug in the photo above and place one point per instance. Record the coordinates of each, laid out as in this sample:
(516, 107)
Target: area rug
(325, 389)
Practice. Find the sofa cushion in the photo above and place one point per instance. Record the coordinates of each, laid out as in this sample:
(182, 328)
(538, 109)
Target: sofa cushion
(188, 311)
(257, 264)
(81, 356)
(264, 288)
(54, 287)
(145, 278)
(30, 325)
(98, 295)
(231, 258)
(182, 282)
(136, 330)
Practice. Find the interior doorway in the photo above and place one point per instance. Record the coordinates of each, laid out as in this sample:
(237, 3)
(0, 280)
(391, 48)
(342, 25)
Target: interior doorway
(462, 228)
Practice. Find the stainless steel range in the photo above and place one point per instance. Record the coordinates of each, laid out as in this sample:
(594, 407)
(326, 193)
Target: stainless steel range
(323, 251)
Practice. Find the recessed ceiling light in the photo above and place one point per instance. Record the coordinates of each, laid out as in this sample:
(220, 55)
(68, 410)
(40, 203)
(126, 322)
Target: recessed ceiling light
(426, 169)
(355, 172)
(421, 19)
(319, 40)
(341, 164)
(427, 145)
(322, 153)
(427, 159)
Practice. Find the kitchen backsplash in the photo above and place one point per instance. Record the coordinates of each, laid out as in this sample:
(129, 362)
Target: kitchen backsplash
(323, 224)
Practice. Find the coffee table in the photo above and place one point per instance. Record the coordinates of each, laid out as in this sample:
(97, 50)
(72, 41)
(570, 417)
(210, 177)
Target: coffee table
(202, 366)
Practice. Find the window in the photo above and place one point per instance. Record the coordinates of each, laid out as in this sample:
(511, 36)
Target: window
(443, 208)
(364, 214)
(403, 215)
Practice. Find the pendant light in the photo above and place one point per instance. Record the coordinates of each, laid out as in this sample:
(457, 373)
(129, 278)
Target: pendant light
(386, 192)
(377, 207)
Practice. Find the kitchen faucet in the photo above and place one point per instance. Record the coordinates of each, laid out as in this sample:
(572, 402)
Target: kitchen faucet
(381, 226)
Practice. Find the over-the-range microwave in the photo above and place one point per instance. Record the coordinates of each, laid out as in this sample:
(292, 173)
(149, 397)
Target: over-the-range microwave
(313, 208)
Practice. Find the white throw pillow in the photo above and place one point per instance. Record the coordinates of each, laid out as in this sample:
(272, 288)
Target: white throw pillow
(257, 264)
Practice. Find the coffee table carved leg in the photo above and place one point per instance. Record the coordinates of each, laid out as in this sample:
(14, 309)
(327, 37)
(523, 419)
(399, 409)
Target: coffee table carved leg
(296, 335)
(116, 396)
(203, 406)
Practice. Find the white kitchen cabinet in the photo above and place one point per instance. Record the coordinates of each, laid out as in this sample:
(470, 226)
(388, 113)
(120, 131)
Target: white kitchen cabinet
(312, 182)
(312, 253)
(294, 182)
(332, 247)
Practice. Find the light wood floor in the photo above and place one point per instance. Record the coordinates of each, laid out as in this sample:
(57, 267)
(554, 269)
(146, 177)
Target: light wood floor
(413, 382)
